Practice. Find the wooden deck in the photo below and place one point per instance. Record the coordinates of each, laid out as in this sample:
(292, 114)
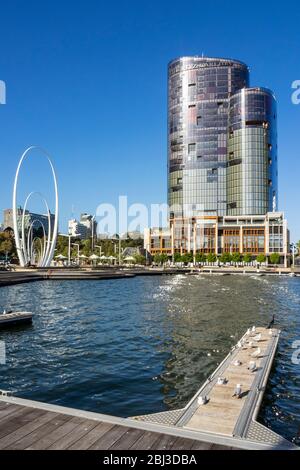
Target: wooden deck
(220, 415)
(225, 422)
(23, 427)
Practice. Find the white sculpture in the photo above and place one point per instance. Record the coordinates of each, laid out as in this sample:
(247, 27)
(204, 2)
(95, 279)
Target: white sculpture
(24, 244)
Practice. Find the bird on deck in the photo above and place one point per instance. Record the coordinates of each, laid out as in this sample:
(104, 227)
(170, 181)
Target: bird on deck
(256, 353)
(271, 322)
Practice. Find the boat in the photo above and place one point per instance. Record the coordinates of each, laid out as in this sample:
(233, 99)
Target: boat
(15, 318)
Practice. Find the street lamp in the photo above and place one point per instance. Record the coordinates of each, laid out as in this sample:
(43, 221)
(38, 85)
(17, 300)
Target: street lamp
(69, 247)
(78, 247)
(120, 246)
(93, 221)
(100, 249)
(293, 248)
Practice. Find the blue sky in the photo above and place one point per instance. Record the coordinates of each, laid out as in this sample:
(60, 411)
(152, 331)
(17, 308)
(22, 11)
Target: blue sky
(87, 81)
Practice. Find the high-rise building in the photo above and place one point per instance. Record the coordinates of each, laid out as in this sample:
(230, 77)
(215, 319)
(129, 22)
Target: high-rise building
(252, 153)
(222, 164)
(222, 142)
(199, 91)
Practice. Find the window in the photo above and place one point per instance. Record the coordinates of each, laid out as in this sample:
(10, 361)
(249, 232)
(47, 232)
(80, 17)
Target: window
(199, 120)
(192, 84)
(191, 148)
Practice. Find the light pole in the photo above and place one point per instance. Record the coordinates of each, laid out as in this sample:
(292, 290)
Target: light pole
(93, 221)
(120, 245)
(293, 247)
(100, 249)
(78, 247)
(69, 246)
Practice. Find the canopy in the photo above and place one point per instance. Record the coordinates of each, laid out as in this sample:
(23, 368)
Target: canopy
(129, 258)
(61, 257)
(93, 256)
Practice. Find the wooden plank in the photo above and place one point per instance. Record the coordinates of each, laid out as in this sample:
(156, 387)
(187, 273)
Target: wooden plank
(41, 418)
(127, 439)
(164, 442)
(146, 441)
(79, 432)
(20, 417)
(40, 432)
(91, 437)
(7, 410)
(109, 438)
(55, 435)
(182, 443)
(200, 445)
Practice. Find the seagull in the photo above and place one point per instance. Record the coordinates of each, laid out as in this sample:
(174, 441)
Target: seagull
(237, 391)
(222, 381)
(202, 400)
(256, 353)
(253, 329)
(257, 337)
(252, 366)
(271, 322)
(248, 331)
(237, 363)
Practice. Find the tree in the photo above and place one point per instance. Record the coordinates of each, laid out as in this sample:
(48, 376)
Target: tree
(275, 258)
(200, 257)
(211, 257)
(177, 258)
(157, 258)
(236, 257)
(140, 259)
(261, 258)
(187, 258)
(247, 258)
(7, 244)
(225, 258)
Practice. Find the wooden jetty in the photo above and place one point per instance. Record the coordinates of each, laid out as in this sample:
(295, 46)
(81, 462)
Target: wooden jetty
(223, 422)
(15, 318)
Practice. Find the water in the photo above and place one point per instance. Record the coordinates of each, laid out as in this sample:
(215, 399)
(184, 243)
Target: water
(133, 346)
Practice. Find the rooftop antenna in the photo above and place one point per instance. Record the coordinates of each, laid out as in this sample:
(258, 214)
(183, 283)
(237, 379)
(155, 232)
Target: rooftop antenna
(72, 211)
(202, 55)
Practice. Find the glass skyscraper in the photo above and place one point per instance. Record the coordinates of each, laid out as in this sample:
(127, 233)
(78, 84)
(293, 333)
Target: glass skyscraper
(252, 153)
(222, 152)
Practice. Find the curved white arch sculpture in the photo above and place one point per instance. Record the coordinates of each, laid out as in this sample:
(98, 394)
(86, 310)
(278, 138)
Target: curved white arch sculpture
(46, 251)
(22, 250)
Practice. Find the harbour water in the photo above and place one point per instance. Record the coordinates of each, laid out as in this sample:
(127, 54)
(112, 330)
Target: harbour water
(133, 346)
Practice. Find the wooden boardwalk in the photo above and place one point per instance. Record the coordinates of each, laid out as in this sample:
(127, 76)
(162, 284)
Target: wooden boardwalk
(24, 427)
(224, 422)
(220, 415)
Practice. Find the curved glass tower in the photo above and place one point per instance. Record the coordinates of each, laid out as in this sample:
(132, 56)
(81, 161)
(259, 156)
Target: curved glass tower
(252, 153)
(199, 89)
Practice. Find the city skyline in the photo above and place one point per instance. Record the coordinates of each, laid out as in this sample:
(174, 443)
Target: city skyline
(93, 166)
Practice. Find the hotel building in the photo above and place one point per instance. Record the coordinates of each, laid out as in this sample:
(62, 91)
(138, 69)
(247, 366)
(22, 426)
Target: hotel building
(222, 163)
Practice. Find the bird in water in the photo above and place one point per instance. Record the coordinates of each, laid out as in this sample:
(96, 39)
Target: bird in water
(271, 322)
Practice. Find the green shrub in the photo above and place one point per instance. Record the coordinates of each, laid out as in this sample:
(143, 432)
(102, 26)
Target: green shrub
(247, 258)
(261, 258)
(275, 258)
(211, 257)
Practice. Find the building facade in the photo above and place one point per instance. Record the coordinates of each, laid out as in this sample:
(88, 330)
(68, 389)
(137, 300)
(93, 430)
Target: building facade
(199, 91)
(36, 220)
(254, 235)
(222, 163)
(251, 183)
(85, 228)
